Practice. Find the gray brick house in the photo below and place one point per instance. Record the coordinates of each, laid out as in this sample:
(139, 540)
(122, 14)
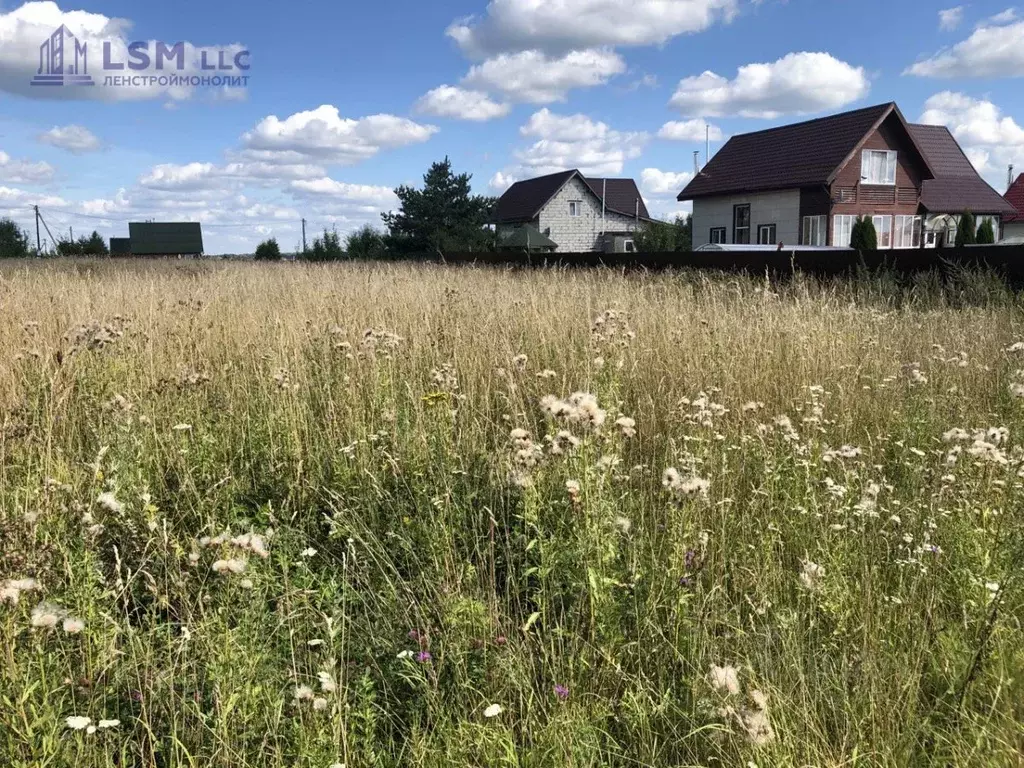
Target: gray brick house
(576, 212)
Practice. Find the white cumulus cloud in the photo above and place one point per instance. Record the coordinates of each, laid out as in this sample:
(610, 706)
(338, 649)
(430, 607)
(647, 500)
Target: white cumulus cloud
(322, 134)
(73, 138)
(558, 26)
(689, 130)
(951, 18)
(990, 139)
(537, 78)
(460, 104)
(796, 84)
(356, 193)
(501, 181)
(211, 176)
(993, 50)
(656, 182)
(575, 141)
(23, 171)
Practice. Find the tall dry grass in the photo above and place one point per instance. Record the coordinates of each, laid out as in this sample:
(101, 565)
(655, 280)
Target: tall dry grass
(298, 516)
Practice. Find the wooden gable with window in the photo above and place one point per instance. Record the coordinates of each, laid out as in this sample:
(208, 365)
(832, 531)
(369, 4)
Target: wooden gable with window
(882, 179)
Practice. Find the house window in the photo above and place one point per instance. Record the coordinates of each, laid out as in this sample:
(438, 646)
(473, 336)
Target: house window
(717, 235)
(815, 230)
(575, 208)
(629, 246)
(878, 166)
(766, 234)
(883, 229)
(907, 232)
(842, 230)
(741, 224)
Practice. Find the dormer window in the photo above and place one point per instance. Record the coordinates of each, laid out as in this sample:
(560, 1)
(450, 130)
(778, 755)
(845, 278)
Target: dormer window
(878, 166)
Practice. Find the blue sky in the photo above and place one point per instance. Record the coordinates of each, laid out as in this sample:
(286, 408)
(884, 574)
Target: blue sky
(345, 101)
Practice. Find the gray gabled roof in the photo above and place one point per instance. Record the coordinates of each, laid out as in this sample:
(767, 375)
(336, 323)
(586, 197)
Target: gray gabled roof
(165, 238)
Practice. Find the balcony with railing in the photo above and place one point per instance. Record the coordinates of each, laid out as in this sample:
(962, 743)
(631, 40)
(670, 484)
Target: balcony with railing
(866, 194)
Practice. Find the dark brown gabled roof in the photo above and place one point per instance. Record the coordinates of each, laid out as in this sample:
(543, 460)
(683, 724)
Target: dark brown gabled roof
(1015, 197)
(621, 197)
(807, 154)
(799, 155)
(957, 186)
(525, 199)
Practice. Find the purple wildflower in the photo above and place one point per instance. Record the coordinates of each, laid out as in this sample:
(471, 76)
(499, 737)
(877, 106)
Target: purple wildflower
(561, 692)
(424, 657)
(690, 558)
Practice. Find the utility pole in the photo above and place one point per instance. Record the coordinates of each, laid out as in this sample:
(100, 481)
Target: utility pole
(39, 249)
(303, 235)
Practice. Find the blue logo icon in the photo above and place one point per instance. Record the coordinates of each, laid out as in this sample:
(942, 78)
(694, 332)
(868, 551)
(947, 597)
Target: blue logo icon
(63, 61)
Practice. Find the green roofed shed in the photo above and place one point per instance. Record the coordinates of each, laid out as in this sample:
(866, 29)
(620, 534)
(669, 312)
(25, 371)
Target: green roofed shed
(166, 239)
(526, 238)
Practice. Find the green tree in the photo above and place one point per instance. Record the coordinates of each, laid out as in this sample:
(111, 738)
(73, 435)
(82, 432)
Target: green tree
(966, 230)
(326, 248)
(94, 245)
(663, 237)
(863, 237)
(68, 248)
(13, 240)
(365, 243)
(986, 233)
(268, 250)
(443, 216)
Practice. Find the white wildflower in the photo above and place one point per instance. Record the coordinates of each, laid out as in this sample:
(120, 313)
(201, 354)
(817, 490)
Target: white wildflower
(327, 684)
(310, 552)
(110, 503)
(46, 615)
(103, 724)
(78, 723)
(811, 575)
(493, 711)
(724, 679)
(224, 567)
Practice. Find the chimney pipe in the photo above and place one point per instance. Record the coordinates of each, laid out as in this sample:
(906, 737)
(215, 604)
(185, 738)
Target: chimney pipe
(1009, 177)
(707, 143)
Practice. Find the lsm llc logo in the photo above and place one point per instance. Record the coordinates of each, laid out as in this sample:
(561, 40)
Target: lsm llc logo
(63, 60)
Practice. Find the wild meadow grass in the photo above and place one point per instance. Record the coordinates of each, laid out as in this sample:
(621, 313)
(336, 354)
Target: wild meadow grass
(410, 516)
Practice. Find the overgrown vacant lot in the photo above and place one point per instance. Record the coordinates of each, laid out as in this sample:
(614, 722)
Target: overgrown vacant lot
(410, 516)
